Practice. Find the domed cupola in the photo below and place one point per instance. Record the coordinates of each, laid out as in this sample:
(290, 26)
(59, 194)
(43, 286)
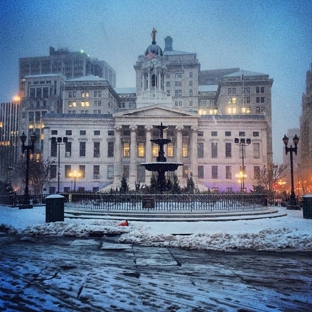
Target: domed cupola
(153, 49)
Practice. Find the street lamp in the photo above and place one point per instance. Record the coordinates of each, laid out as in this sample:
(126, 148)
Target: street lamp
(59, 141)
(242, 142)
(75, 174)
(292, 202)
(23, 137)
(241, 176)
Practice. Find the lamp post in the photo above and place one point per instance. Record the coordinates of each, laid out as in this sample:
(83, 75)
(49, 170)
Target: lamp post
(291, 150)
(27, 148)
(241, 176)
(75, 174)
(59, 141)
(242, 142)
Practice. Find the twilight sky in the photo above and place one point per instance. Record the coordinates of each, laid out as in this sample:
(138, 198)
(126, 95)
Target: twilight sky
(266, 36)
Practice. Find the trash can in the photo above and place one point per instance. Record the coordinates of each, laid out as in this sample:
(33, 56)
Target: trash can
(307, 206)
(54, 208)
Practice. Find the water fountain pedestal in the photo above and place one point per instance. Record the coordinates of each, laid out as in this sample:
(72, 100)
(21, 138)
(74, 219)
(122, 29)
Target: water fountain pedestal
(161, 166)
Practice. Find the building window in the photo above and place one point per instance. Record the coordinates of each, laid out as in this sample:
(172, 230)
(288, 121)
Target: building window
(228, 172)
(256, 172)
(214, 172)
(228, 133)
(110, 149)
(190, 74)
(241, 133)
(214, 133)
(126, 149)
(96, 171)
(190, 92)
(82, 149)
(96, 149)
(185, 171)
(256, 150)
(82, 169)
(185, 149)
(229, 90)
(53, 132)
(53, 148)
(178, 92)
(53, 171)
(214, 150)
(67, 171)
(68, 148)
(178, 75)
(200, 172)
(170, 150)
(262, 100)
(178, 83)
(200, 150)
(257, 99)
(259, 109)
(255, 134)
(246, 110)
(257, 89)
(248, 99)
(68, 132)
(231, 110)
(83, 132)
(141, 149)
(110, 171)
(97, 132)
(155, 150)
(228, 150)
(262, 90)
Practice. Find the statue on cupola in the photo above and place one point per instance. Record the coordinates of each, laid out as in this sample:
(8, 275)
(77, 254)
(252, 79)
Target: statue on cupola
(151, 72)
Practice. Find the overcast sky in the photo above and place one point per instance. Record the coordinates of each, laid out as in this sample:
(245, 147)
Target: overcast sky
(265, 36)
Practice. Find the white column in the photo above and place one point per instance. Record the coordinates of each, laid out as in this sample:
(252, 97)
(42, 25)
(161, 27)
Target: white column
(117, 156)
(179, 152)
(193, 155)
(133, 157)
(148, 153)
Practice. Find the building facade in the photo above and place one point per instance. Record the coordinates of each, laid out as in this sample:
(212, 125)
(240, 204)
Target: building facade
(204, 112)
(305, 144)
(9, 120)
(62, 61)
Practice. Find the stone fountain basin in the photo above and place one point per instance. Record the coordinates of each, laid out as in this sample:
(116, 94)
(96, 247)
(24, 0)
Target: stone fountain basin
(161, 166)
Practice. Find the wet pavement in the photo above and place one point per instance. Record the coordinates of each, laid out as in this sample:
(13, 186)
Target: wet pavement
(99, 274)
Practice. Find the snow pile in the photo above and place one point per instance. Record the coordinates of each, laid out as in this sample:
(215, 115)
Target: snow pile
(269, 239)
(291, 232)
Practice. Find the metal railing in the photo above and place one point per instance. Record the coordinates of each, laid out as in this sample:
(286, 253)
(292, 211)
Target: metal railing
(165, 202)
(137, 202)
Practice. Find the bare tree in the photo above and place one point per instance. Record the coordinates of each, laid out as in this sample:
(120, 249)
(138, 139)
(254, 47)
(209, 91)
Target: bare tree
(39, 173)
(267, 178)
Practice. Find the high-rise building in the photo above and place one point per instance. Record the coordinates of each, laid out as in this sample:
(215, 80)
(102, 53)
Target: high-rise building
(9, 119)
(62, 61)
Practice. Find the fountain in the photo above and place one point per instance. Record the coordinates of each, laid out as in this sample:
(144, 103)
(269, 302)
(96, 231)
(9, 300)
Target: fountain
(161, 166)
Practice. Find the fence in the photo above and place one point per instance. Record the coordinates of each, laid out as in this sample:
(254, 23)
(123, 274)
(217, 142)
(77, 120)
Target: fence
(166, 202)
(137, 202)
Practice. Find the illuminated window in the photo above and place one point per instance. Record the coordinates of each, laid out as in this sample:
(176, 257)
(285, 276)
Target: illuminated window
(213, 111)
(84, 94)
(155, 150)
(246, 110)
(141, 149)
(170, 151)
(185, 171)
(85, 103)
(184, 149)
(234, 100)
(126, 149)
(231, 110)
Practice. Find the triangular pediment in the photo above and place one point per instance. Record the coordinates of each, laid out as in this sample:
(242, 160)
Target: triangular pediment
(156, 111)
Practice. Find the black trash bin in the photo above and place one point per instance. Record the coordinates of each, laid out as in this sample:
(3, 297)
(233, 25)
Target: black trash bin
(307, 206)
(54, 208)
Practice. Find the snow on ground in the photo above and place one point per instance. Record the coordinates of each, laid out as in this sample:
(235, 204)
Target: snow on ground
(291, 232)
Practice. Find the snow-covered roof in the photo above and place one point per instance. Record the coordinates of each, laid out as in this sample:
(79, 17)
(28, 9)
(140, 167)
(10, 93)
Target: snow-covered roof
(125, 90)
(208, 88)
(87, 78)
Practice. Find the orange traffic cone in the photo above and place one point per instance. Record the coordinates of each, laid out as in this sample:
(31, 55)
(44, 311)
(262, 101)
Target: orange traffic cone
(124, 223)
